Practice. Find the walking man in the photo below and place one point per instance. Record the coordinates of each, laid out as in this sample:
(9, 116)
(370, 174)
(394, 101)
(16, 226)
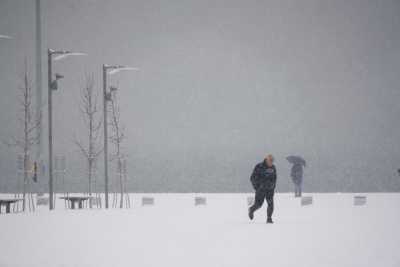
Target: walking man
(263, 180)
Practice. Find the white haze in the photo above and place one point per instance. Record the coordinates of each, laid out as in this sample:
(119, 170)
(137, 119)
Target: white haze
(222, 83)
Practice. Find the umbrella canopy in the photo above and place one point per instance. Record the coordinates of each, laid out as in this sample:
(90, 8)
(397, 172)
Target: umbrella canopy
(296, 160)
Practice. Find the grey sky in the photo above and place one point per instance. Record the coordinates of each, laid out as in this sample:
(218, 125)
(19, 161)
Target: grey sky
(221, 83)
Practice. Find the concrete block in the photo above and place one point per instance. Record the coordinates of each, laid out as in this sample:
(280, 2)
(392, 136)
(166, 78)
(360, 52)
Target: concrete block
(306, 201)
(147, 201)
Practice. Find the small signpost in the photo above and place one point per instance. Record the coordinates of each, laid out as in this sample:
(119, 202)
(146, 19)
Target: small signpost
(200, 201)
(147, 201)
(360, 200)
(306, 200)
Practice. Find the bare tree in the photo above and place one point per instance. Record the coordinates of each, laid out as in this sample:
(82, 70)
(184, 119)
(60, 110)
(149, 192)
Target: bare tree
(89, 110)
(26, 142)
(127, 199)
(117, 137)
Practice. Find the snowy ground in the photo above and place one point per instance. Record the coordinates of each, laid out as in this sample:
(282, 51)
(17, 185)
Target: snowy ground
(331, 232)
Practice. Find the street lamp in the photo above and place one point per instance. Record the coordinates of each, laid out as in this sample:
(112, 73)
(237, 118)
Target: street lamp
(53, 85)
(108, 69)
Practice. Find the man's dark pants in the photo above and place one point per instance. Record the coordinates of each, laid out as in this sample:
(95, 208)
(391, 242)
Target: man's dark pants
(262, 194)
(297, 189)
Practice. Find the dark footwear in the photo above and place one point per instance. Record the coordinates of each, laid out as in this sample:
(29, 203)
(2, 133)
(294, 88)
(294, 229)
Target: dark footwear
(269, 220)
(251, 214)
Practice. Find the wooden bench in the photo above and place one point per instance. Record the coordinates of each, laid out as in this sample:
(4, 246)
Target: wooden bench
(74, 200)
(7, 203)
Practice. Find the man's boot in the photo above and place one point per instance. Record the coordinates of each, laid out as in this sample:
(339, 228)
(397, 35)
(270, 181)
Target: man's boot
(251, 213)
(269, 220)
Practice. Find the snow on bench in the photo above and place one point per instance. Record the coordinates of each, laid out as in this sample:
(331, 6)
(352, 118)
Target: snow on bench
(307, 200)
(200, 201)
(147, 201)
(360, 200)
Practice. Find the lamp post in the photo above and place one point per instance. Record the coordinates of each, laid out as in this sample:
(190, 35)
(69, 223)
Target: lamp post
(108, 69)
(53, 85)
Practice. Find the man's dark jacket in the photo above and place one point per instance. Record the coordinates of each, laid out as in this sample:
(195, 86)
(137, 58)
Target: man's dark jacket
(264, 177)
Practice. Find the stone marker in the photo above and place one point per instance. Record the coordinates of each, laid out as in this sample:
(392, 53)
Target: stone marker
(360, 200)
(200, 201)
(147, 201)
(307, 200)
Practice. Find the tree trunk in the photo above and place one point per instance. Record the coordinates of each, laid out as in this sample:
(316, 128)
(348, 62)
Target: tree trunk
(90, 182)
(25, 181)
(121, 203)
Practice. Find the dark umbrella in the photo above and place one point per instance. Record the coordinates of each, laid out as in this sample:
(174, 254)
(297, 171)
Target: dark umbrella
(296, 160)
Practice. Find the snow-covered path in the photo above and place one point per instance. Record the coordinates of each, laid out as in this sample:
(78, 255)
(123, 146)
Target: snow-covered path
(331, 232)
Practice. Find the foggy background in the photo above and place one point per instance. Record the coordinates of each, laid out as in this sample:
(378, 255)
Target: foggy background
(221, 84)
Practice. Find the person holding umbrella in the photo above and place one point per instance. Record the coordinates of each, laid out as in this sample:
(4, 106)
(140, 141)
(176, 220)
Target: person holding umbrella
(297, 173)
